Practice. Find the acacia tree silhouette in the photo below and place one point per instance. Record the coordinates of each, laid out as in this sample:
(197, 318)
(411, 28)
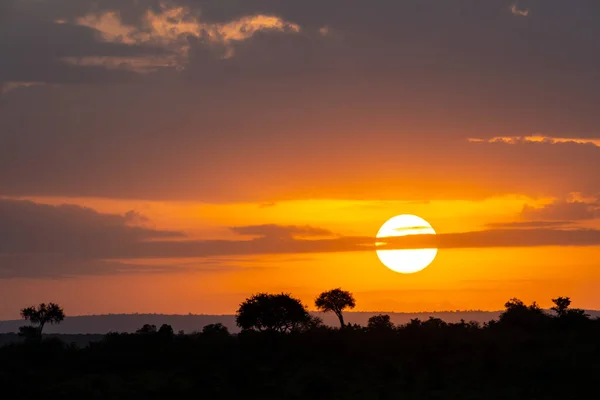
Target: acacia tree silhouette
(336, 300)
(561, 305)
(41, 315)
(272, 312)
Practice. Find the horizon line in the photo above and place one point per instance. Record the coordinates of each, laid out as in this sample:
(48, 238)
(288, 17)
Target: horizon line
(314, 312)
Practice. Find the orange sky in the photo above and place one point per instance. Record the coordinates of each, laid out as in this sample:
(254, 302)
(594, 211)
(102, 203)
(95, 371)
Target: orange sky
(468, 278)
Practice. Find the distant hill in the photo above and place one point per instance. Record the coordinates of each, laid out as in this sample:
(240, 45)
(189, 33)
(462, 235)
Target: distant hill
(101, 324)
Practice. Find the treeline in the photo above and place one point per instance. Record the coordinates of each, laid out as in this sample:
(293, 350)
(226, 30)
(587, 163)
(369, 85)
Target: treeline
(283, 352)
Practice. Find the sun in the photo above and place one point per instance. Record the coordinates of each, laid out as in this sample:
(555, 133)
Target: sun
(406, 261)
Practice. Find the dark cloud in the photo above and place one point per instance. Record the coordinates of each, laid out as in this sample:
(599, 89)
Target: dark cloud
(272, 231)
(49, 241)
(444, 40)
(528, 224)
(275, 245)
(27, 227)
(563, 210)
(35, 51)
(65, 265)
(412, 228)
(38, 240)
(499, 238)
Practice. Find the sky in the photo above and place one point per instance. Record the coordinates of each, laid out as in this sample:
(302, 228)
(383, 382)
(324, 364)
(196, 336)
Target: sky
(177, 156)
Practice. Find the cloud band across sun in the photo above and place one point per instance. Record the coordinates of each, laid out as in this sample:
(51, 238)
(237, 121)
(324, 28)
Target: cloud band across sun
(83, 241)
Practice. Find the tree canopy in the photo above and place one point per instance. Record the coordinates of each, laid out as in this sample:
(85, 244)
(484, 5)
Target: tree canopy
(272, 312)
(217, 329)
(166, 330)
(380, 322)
(519, 315)
(41, 315)
(336, 300)
(146, 329)
(561, 305)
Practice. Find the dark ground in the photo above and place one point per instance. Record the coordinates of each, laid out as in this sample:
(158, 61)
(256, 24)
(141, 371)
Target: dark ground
(531, 359)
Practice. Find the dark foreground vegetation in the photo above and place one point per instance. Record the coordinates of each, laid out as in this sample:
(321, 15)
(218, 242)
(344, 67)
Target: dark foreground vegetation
(284, 353)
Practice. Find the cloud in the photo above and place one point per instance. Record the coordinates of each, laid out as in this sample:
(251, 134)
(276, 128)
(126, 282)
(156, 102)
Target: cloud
(28, 59)
(416, 230)
(89, 43)
(498, 238)
(284, 245)
(8, 86)
(172, 27)
(43, 266)
(514, 9)
(563, 210)
(537, 139)
(528, 224)
(44, 240)
(27, 227)
(279, 232)
(38, 240)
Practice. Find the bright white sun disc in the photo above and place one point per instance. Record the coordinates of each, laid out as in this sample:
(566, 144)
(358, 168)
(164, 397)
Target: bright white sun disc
(406, 261)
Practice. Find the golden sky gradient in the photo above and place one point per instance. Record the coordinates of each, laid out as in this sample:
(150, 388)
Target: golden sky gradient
(458, 279)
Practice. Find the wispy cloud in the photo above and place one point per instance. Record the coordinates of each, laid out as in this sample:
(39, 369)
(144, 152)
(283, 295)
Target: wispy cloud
(172, 28)
(9, 86)
(499, 238)
(536, 139)
(528, 224)
(573, 210)
(282, 232)
(515, 10)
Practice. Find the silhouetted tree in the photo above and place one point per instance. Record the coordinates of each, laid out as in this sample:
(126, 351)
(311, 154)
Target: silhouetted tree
(41, 315)
(271, 312)
(462, 324)
(561, 305)
(380, 323)
(336, 300)
(514, 304)
(519, 315)
(217, 329)
(147, 328)
(569, 317)
(434, 323)
(354, 327)
(414, 323)
(166, 330)
(490, 324)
